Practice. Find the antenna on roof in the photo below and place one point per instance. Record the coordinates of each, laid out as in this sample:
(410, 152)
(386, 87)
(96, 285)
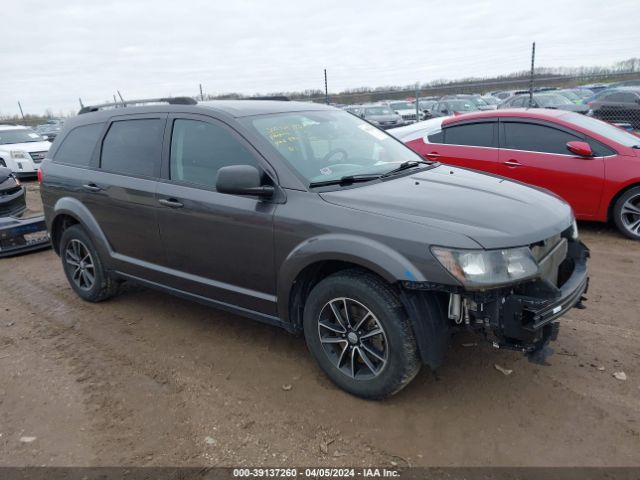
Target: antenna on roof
(123, 104)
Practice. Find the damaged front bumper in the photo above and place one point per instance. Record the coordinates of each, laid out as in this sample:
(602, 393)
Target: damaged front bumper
(20, 234)
(520, 317)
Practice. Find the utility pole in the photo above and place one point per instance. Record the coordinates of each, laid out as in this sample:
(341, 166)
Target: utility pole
(417, 101)
(533, 60)
(21, 112)
(201, 95)
(326, 91)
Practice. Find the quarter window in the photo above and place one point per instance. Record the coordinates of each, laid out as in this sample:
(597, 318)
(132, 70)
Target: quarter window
(133, 147)
(536, 138)
(200, 149)
(77, 147)
(474, 134)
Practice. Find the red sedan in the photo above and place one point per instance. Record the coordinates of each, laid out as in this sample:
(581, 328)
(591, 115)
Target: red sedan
(593, 165)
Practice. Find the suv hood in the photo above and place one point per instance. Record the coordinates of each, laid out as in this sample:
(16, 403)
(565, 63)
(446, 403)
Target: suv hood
(493, 211)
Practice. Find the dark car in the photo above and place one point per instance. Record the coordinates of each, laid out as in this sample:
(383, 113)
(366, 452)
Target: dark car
(445, 108)
(543, 100)
(619, 105)
(19, 232)
(309, 218)
(380, 116)
(50, 129)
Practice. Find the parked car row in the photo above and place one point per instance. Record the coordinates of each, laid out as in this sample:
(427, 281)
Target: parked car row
(22, 149)
(590, 163)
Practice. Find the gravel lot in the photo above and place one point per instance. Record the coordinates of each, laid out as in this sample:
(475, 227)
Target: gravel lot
(148, 379)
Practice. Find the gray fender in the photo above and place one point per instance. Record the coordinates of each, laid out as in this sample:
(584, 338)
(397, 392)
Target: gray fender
(74, 208)
(361, 251)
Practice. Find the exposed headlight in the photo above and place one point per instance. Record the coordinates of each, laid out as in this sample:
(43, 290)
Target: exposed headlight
(574, 230)
(19, 154)
(375, 122)
(487, 268)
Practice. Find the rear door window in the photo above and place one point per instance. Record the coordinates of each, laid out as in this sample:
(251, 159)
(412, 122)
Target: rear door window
(472, 134)
(78, 146)
(133, 147)
(536, 138)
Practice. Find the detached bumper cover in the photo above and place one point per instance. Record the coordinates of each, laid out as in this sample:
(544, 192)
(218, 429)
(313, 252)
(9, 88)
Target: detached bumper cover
(21, 234)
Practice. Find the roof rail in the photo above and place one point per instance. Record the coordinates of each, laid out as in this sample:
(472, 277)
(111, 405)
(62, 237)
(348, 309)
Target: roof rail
(128, 103)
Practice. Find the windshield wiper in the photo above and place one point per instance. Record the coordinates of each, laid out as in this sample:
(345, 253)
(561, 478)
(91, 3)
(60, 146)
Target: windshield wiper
(636, 146)
(346, 180)
(406, 165)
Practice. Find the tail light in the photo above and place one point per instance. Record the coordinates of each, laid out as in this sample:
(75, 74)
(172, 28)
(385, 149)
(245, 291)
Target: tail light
(40, 175)
(590, 104)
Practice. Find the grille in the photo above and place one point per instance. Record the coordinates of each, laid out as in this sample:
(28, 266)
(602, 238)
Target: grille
(37, 157)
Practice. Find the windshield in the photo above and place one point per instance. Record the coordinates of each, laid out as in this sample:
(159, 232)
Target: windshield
(378, 111)
(571, 95)
(462, 106)
(602, 128)
(479, 102)
(491, 100)
(552, 100)
(22, 135)
(327, 145)
(402, 106)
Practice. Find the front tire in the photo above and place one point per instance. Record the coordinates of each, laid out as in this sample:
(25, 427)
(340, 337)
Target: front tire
(359, 333)
(626, 213)
(83, 267)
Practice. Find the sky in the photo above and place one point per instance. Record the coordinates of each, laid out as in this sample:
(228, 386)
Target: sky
(53, 52)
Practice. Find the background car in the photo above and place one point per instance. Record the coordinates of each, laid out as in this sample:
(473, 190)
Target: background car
(22, 149)
(380, 115)
(571, 95)
(475, 99)
(453, 107)
(592, 164)
(620, 105)
(19, 231)
(425, 107)
(406, 110)
(50, 129)
(543, 100)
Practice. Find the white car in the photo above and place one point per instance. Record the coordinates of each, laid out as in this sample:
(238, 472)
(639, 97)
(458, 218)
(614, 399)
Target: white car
(417, 130)
(22, 149)
(406, 110)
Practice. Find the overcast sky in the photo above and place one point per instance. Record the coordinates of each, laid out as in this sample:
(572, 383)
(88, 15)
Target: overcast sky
(53, 52)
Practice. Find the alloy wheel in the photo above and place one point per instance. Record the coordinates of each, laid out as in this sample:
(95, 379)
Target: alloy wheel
(630, 214)
(79, 259)
(352, 338)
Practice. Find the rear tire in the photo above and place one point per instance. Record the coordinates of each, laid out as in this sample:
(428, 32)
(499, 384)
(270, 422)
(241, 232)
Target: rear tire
(83, 267)
(369, 351)
(626, 213)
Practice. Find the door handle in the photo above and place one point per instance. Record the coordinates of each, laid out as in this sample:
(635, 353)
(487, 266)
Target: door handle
(432, 156)
(513, 163)
(170, 202)
(92, 187)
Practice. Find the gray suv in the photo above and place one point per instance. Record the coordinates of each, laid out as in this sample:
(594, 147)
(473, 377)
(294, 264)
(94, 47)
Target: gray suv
(309, 218)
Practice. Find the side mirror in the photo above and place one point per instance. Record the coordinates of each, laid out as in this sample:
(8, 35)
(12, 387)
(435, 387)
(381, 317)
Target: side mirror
(242, 180)
(582, 149)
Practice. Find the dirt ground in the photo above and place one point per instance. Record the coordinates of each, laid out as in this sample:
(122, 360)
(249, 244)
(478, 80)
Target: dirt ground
(149, 379)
